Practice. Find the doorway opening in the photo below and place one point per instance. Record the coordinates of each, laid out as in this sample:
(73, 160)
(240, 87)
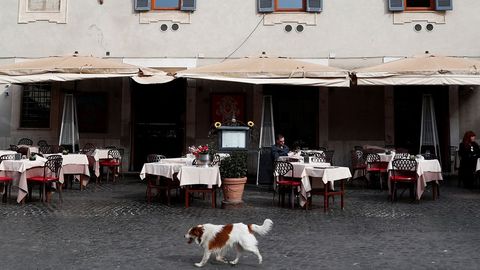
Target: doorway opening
(158, 116)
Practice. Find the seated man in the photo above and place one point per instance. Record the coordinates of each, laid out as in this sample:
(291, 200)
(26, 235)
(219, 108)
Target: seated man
(279, 148)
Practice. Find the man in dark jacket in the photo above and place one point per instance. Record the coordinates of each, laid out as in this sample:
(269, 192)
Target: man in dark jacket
(279, 148)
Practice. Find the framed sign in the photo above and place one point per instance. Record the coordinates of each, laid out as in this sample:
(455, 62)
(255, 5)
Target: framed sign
(224, 106)
(233, 137)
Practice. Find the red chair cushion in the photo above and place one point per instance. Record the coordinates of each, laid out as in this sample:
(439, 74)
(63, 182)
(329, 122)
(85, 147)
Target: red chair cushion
(42, 179)
(5, 179)
(110, 163)
(399, 178)
(288, 183)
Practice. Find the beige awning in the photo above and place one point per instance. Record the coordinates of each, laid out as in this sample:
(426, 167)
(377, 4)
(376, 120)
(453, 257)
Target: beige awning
(265, 70)
(422, 70)
(70, 68)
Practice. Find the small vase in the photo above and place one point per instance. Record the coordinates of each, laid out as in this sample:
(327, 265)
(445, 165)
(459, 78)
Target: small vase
(203, 160)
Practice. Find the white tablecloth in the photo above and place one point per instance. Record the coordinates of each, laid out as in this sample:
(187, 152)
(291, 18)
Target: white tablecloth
(160, 169)
(76, 164)
(427, 170)
(299, 168)
(20, 170)
(327, 175)
(190, 175)
(7, 152)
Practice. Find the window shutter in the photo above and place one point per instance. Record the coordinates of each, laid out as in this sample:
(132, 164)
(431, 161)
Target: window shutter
(142, 5)
(188, 5)
(444, 4)
(265, 6)
(396, 5)
(314, 5)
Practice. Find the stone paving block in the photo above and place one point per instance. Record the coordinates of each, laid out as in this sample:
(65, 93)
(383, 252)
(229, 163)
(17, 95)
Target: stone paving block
(112, 227)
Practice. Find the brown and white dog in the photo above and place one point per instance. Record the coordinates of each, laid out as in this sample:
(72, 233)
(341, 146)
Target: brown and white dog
(217, 239)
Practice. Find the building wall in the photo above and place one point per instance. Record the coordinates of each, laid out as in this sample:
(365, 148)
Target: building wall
(345, 29)
(347, 34)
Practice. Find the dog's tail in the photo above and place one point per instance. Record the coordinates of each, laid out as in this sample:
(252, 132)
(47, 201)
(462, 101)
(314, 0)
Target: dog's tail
(264, 229)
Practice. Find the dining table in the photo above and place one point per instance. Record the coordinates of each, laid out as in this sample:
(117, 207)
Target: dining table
(187, 173)
(75, 164)
(22, 169)
(322, 176)
(427, 171)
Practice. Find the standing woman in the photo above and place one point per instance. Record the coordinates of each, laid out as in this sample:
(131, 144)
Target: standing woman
(469, 152)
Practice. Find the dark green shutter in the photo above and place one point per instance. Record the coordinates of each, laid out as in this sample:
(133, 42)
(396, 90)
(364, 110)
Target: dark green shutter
(444, 4)
(396, 5)
(142, 5)
(265, 6)
(314, 5)
(188, 5)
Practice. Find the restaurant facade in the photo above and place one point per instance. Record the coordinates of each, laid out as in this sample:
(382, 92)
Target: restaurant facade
(174, 35)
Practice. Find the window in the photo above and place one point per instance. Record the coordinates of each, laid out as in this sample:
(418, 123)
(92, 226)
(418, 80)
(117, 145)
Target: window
(183, 5)
(289, 5)
(43, 5)
(419, 5)
(166, 4)
(36, 101)
(54, 11)
(269, 6)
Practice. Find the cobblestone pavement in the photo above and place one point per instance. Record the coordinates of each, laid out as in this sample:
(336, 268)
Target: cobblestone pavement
(111, 227)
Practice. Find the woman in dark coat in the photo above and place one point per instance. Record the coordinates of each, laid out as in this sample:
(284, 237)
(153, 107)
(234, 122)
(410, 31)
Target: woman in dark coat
(469, 152)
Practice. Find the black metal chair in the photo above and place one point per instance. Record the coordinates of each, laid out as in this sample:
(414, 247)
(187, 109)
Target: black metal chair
(376, 166)
(56, 149)
(42, 143)
(154, 158)
(283, 173)
(329, 156)
(318, 160)
(113, 163)
(403, 171)
(215, 161)
(5, 180)
(50, 175)
(402, 155)
(87, 149)
(358, 164)
(45, 149)
(160, 183)
(25, 141)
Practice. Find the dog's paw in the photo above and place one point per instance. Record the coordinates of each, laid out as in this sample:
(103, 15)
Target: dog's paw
(221, 259)
(260, 261)
(198, 264)
(233, 262)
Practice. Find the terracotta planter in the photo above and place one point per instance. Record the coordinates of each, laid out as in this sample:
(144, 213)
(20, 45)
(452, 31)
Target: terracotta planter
(233, 190)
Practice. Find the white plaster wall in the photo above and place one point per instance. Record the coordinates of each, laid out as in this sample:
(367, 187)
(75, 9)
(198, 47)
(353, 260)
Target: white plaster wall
(350, 29)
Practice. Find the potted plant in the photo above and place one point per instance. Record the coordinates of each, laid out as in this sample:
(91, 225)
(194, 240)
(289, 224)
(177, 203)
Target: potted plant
(233, 170)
